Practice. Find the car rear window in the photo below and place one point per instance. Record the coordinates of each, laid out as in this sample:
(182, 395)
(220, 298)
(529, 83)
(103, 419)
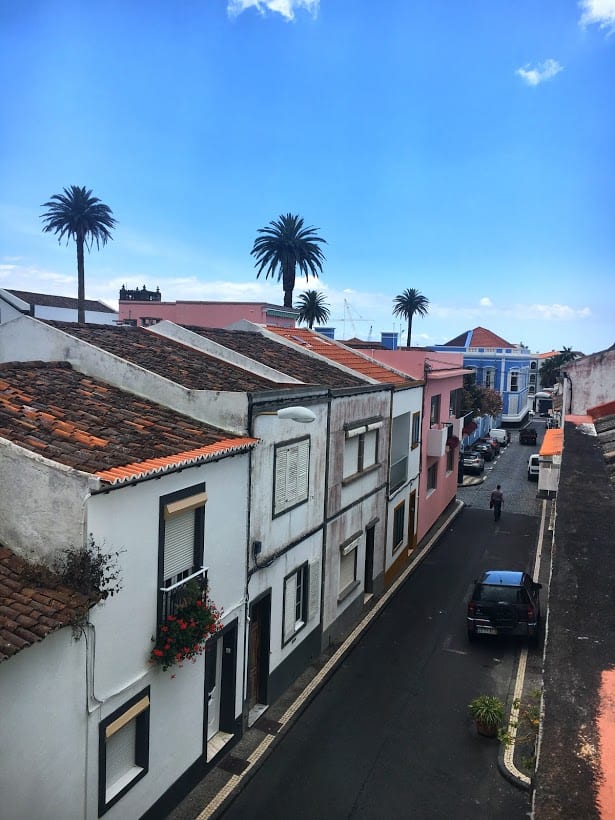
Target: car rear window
(497, 593)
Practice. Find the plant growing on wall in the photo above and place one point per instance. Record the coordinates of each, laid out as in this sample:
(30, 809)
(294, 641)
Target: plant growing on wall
(183, 634)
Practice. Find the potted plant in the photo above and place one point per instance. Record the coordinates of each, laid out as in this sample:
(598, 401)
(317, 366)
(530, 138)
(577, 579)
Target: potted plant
(183, 634)
(488, 712)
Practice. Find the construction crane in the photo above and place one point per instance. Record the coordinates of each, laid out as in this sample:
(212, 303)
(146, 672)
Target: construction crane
(351, 316)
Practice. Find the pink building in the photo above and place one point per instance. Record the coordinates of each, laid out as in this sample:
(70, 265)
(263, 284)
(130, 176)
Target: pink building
(143, 307)
(442, 422)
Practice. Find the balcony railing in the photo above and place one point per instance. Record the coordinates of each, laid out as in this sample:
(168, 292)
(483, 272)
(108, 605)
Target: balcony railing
(398, 473)
(183, 592)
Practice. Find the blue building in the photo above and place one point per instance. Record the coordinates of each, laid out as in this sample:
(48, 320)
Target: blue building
(499, 365)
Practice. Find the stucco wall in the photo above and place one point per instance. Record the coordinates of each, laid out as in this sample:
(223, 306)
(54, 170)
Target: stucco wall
(592, 382)
(43, 724)
(42, 504)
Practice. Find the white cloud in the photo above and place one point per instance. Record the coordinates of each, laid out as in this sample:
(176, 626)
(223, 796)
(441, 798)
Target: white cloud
(553, 312)
(485, 302)
(286, 8)
(598, 12)
(543, 71)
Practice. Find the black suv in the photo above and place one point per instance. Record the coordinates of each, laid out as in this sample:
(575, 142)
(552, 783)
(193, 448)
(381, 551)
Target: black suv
(504, 602)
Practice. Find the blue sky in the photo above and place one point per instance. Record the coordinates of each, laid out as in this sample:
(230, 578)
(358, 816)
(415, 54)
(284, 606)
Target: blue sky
(460, 147)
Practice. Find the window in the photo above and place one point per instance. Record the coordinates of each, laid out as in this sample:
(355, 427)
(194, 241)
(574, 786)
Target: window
(432, 476)
(513, 381)
(348, 565)
(400, 446)
(489, 377)
(450, 459)
(361, 448)
(416, 429)
(295, 602)
(181, 540)
(399, 516)
(123, 740)
(434, 412)
(291, 474)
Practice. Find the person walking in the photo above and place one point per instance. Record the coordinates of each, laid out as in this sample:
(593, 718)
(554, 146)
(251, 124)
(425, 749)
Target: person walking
(497, 499)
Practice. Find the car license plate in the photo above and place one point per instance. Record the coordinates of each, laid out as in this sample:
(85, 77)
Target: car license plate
(486, 630)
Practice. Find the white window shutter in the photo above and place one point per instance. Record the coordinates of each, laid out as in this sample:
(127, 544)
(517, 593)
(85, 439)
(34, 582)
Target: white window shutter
(303, 469)
(314, 598)
(369, 449)
(178, 544)
(290, 601)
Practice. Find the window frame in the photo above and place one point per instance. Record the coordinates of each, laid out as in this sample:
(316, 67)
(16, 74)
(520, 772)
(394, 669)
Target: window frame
(432, 477)
(302, 592)
(300, 497)
(434, 410)
(398, 528)
(141, 751)
(166, 503)
(514, 378)
(416, 429)
(350, 547)
(360, 432)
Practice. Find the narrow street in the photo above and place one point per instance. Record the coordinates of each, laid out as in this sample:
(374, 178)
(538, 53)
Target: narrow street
(389, 736)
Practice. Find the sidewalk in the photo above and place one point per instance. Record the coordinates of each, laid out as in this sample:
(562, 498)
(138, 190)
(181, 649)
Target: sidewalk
(218, 788)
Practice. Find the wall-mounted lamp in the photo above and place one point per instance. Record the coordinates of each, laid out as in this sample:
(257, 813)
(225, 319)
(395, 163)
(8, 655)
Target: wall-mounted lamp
(301, 414)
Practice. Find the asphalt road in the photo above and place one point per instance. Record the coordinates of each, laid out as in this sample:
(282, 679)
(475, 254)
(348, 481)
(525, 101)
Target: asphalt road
(389, 736)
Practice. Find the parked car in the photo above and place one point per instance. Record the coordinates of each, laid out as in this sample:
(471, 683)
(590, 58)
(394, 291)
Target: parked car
(504, 602)
(528, 435)
(485, 450)
(473, 462)
(533, 467)
(500, 435)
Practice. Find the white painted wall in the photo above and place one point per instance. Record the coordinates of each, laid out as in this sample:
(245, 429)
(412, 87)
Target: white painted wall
(60, 314)
(405, 401)
(43, 731)
(42, 503)
(27, 339)
(592, 382)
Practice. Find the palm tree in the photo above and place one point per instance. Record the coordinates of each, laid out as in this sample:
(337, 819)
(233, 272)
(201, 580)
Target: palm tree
(408, 303)
(550, 370)
(284, 246)
(78, 215)
(312, 308)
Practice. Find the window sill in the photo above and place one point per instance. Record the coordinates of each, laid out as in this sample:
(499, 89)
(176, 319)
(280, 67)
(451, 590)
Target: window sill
(348, 591)
(349, 479)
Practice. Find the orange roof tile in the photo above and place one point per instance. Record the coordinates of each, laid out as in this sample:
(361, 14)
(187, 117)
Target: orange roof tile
(336, 352)
(140, 469)
(553, 443)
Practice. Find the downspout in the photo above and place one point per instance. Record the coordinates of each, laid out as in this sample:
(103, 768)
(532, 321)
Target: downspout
(324, 519)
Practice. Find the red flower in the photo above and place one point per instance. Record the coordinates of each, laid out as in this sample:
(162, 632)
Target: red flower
(158, 653)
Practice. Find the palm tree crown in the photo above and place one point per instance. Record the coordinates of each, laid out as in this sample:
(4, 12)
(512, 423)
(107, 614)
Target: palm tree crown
(78, 215)
(408, 303)
(312, 308)
(285, 245)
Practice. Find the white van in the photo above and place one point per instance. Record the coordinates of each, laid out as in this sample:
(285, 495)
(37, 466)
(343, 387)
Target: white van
(500, 435)
(533, 467)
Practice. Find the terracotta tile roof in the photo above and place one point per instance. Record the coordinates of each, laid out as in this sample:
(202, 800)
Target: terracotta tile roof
(51, 409)
(280, 357)
(168, 358)
(552, 443)
(336, 352)
(49, 300)
(481, 337)
(29, 612)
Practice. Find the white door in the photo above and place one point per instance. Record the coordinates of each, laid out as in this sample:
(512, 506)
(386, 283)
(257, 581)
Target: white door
(213, 676)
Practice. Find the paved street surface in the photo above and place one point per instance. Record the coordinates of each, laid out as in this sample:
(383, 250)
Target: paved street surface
(389, 736)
